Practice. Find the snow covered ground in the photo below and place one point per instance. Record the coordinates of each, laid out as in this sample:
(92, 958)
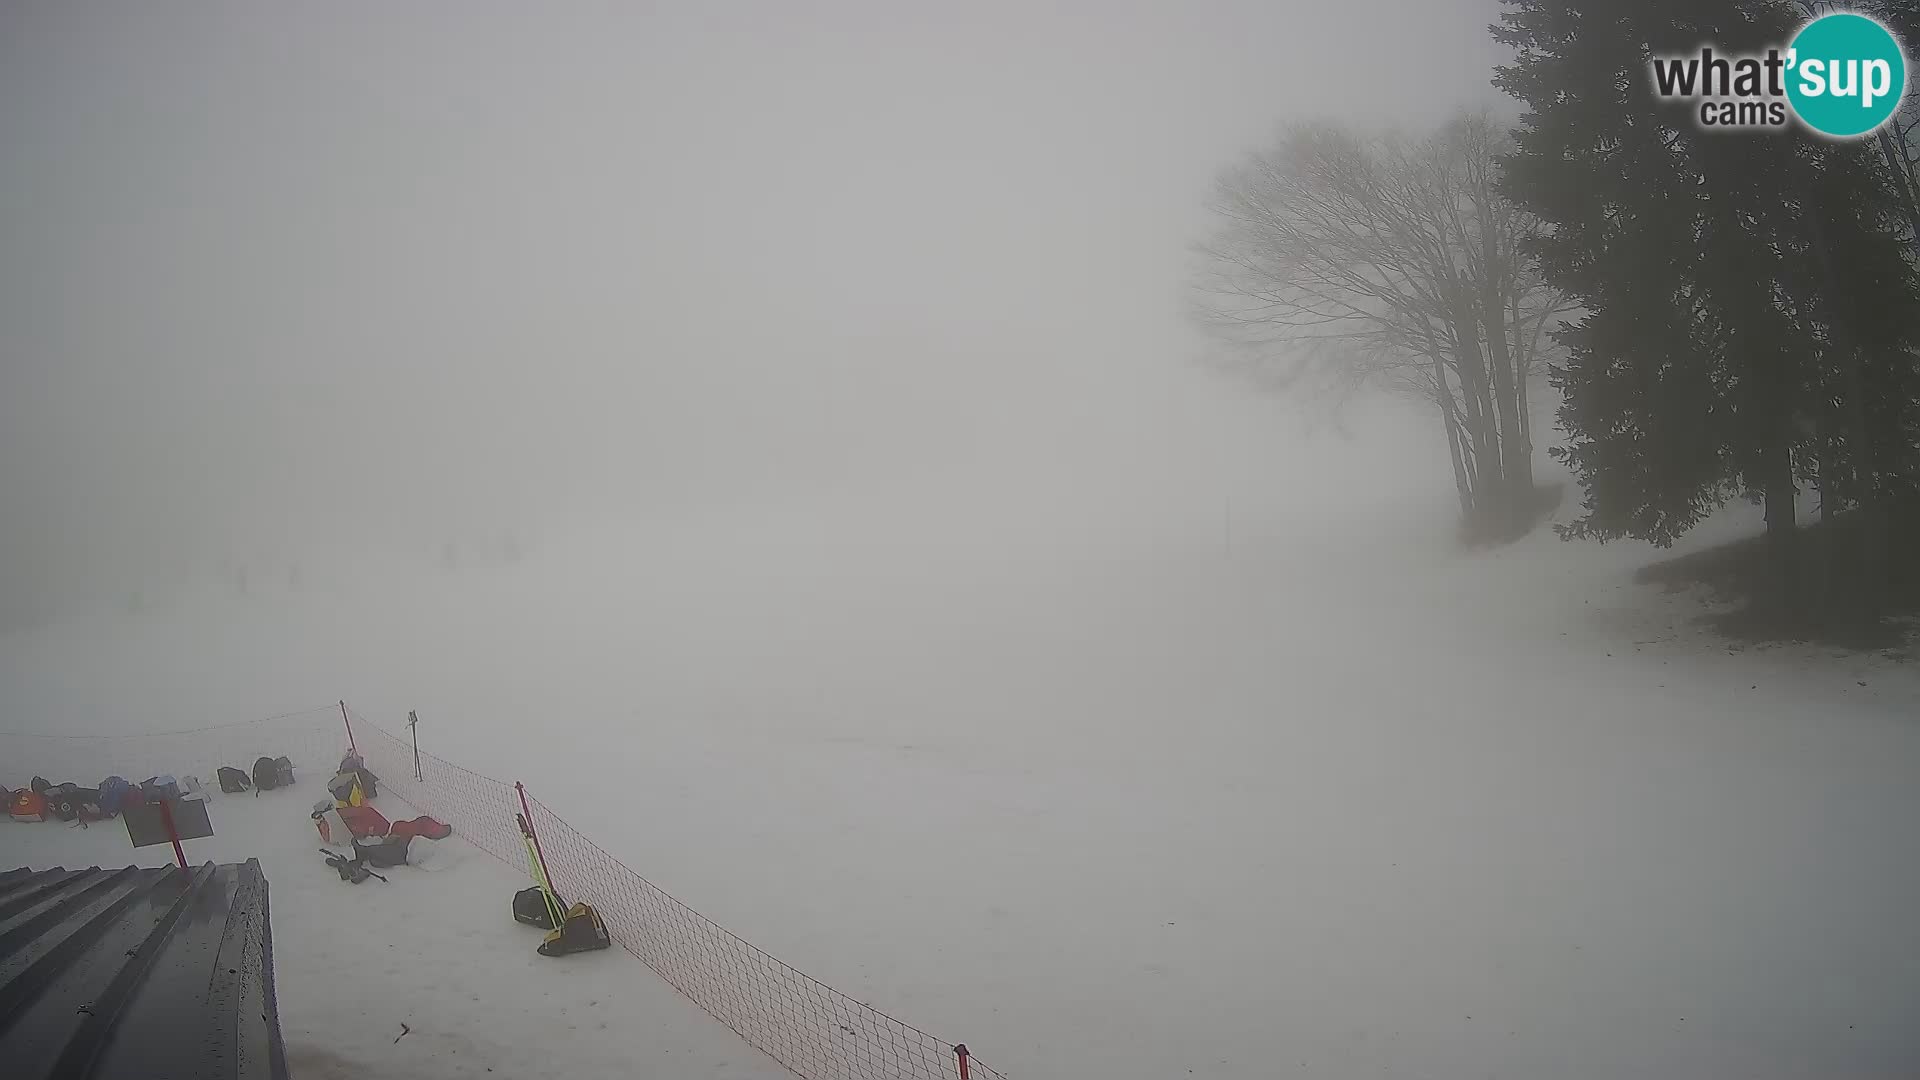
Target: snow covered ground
(1112, 796)
(436, 952)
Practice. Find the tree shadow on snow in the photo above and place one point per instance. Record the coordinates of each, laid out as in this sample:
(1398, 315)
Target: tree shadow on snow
(1813, 588)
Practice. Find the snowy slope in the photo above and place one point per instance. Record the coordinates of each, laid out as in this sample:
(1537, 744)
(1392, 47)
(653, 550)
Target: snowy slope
(437, 952)
(1130, 797)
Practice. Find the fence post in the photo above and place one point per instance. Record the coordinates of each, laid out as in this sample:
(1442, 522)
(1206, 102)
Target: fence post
(526, 814)
(166, 815)
(343, 719)
(960, 1054)
(413, 726)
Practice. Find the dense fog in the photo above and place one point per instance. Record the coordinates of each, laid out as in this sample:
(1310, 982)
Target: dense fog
(282, 288)
(782, 435)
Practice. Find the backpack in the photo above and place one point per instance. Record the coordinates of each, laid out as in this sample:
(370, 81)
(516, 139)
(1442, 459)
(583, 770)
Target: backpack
(69, 802)
(345, 789)
(232, 780)
(39, 785)
(380, 850)
(160, 787)
(283, 771)
(583, 931)
(28, 805)
(265, 776)
(114, 794)
(55, 801)
(530, 907)
(86, 804)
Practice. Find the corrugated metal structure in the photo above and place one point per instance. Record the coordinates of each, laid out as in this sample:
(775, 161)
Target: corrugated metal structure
(138, 972)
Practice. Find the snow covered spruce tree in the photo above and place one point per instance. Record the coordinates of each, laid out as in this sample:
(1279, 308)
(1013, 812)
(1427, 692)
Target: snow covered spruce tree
(1750, 308)
(1342, 260)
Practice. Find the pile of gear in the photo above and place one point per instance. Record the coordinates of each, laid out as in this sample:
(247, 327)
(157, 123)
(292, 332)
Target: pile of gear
(570, 929)
(269, 773)
(42, 800)
(354, 836)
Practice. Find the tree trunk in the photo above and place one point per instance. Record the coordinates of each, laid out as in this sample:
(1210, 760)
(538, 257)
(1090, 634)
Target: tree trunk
(1822, 566)
(1474, 485)
(1493, 495)
(1897, 165)
(1779, 495)
(1909, 168)
(1873, 523)
(1515, 468)
(1522, 369)
(1444, 397)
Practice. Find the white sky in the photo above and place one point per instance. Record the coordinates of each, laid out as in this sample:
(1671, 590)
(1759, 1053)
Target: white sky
(272, 273)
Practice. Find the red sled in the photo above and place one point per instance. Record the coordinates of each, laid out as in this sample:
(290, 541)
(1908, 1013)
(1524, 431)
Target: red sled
(364, 820)
(422, 826)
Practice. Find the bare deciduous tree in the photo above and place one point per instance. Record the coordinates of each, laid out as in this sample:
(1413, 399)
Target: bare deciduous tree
(1344, 261)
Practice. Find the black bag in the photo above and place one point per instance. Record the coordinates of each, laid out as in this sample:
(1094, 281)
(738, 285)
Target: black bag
(76, 803)
(265, 776)
(160, 787)
(283, 771)
(232, 780)
(530, 907)
(341, 788)
(60, 801)
(39, 785)
(357, 765)
(582, 932)
(381, 850)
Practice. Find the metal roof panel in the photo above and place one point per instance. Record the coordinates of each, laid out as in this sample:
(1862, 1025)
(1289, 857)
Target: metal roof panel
(138, 971)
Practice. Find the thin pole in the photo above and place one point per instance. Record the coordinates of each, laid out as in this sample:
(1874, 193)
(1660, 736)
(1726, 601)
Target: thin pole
(343, 719)
(540, 874)
(166, 815)
(413, 725)
(527, 816)
(960, 1054)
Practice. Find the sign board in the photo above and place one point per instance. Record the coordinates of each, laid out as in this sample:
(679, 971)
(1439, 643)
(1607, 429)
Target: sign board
(147, 822)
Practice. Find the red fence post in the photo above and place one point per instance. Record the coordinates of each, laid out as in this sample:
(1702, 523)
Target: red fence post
(960, 1055)
(349, 723)
(526, 815)
(166, 815)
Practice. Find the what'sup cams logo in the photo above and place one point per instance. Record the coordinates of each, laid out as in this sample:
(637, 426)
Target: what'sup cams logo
(1843, 76)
